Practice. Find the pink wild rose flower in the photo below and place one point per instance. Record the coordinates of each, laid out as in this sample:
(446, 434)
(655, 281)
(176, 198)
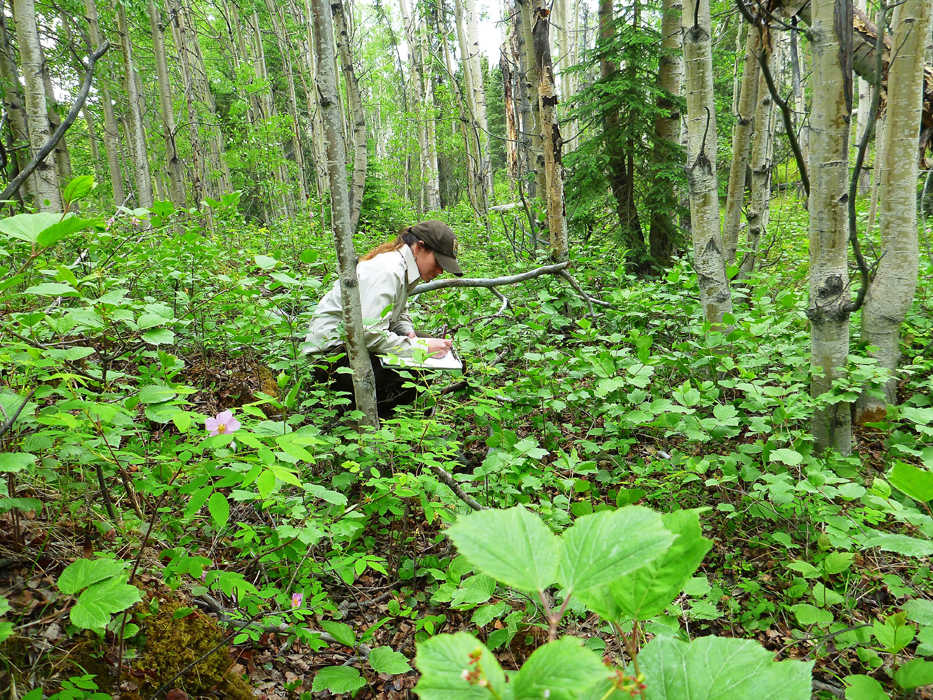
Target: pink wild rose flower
(222, 423)
(297, 599)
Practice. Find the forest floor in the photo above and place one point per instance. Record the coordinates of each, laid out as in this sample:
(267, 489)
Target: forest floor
(568, 412)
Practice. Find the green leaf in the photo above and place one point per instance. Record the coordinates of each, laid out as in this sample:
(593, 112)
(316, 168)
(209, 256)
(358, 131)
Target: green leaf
(154, 393)
(901, 544)
(919, 611)
(4, 605)
(27, 227)
(265, 262)
(337, 679)
(159, 336)
(513, 546)
(52, 289)
(340, 631)
(602, 547)
(6, 629)
(559, 670)
(16, 461)
(647, 591)
(83, 572)
(335, 497)
(837, 562)
(62, 229)
(807, 615)
(861, 687)
(100, 601)
(716, 668)
(384, 660)
(219, 508)
(914, 674)
(446, 659)
(789, 457)
(78, 188)
(915, 482)
(24, 505)
(894, 633)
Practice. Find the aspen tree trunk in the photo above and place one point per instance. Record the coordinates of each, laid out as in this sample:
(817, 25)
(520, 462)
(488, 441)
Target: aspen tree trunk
(199, 171)
(429, 167)
(111, 128)
(511, 116)
(175, 172)
(667, 128)
(279, 26)
(760, 159)
(701, 163)
(364, 386)
(864, 105)
(742, 143)
(800, 101)
(61, 153)
(417, 101)
(475, 105)
(525, 126)
(355, 113)
(466, 128)
(531, 80)
(134, 115)
(316, 123)
(48, 196)
(550, 136)
(93, 143)
(565, 59)
(829, 226)
(892, 289)
(15, 110)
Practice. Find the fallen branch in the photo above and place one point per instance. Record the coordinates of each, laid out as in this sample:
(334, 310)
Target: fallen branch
(448, 479)
(49, 145)
(488, 282)
(8, 423)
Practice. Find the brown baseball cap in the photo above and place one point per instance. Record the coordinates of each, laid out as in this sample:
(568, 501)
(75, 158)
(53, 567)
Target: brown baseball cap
(439, 237)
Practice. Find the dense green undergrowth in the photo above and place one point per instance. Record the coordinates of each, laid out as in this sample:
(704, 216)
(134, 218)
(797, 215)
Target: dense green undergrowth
(121, 337)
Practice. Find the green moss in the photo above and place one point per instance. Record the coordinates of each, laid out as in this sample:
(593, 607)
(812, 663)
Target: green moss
(172, 644)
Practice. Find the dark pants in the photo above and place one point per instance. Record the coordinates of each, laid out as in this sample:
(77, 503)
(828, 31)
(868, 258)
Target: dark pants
(389, 390)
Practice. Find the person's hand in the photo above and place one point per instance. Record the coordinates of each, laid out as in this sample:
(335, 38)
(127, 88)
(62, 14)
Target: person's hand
(412, 335)
(438, 347)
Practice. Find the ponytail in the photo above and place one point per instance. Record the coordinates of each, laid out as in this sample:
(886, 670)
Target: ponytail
(404, 237)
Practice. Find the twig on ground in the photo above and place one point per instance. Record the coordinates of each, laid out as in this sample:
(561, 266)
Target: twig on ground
(448, 479)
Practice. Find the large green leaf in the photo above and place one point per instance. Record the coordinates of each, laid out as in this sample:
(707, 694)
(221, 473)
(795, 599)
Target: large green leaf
(82, 573)
(647, 591)
(559, 670)
(27, 227)
(52, 289)
(915, 482)
(62, 229)
(717, 668)
(446, 663)
(384, 660)
(513, 546)
(100, 601)
(219, 508)
(862, 687)
(16, 461)
(900, 544)
(155, 393)
(337, 679)
(602, 547)
(914, 673)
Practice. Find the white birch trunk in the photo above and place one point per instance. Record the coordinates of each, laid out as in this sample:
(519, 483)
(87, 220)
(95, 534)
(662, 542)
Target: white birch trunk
(135, 115)
(829, 228)
(475, 95)
(47, 188)
(15, 109)
(175, 172)
(742, 143)
(708, 260)
(355, 114)
(364, 387)
(892, 289)
(550, 136)
(760, 160)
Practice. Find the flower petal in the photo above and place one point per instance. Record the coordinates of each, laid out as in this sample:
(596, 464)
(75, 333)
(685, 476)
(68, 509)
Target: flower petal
(233, 425)
(225, 416)
(211, 424)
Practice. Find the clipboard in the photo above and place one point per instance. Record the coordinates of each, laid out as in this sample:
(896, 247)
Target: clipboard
(448, 363)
